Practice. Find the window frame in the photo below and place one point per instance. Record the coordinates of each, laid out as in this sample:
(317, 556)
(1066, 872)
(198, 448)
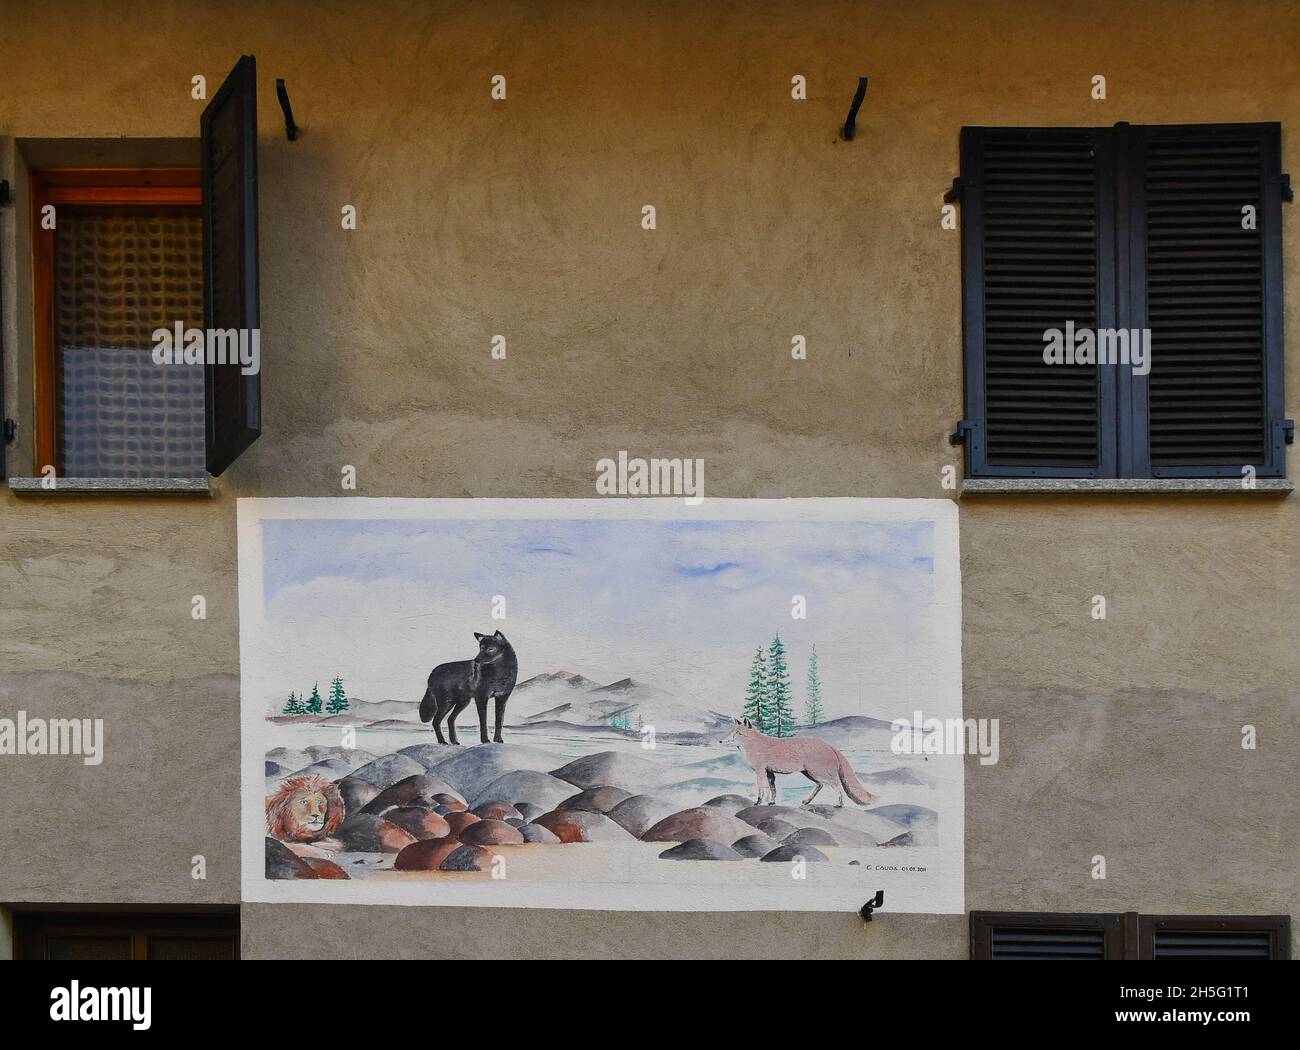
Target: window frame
(1128, 935)
(83, 188)
(1123, 445)
(34, 929)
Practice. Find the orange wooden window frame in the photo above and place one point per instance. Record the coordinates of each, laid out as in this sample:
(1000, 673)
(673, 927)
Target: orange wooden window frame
(83, 187)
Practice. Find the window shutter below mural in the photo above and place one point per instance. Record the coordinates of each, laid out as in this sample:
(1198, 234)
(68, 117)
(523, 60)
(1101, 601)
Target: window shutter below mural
(229, 133)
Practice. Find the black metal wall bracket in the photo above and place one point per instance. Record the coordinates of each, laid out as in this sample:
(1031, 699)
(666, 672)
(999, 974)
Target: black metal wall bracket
(282, 93)
(958, 436)
(6, 197)
(877, 901)
(10, 431)
(1288, 431)
(851, 121)
(955, 191)
(1288, 194)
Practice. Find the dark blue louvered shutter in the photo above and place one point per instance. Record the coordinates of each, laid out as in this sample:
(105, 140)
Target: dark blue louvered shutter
(229, 133)
(1210, 291)
(1037, 252)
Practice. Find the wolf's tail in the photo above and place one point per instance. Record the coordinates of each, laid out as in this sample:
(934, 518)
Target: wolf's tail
(427, 706)
(852, 785)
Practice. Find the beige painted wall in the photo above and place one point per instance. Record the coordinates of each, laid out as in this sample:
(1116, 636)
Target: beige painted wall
(522, 218)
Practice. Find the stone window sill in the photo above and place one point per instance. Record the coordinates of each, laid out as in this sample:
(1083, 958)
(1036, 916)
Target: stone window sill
(1274, 487)
(36, 486)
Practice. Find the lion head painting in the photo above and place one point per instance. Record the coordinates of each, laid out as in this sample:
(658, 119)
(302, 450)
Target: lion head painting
(305, 809)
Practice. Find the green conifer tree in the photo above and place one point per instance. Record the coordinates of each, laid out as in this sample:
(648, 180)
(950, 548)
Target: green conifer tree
(780, 716)
(815, 713)
(294, 705)
(756, 695)
(338, 701)
(313, 706)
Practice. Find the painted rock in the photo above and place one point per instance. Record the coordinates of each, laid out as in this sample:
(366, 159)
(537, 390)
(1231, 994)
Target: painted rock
(595, 800)
(367, 833)
(496, 811)
(469, 858)
(581, 826)
(702, 822)
(427, 855)
(638, 814)
(459, 821)
(490, 833)
(422, 823)
(700, 849)
(788, 853)
(755, 845)
(537, 833)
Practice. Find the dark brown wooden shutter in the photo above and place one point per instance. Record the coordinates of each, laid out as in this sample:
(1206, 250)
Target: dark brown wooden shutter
(229, 132)
(1212, 298)
(1037, 252)
(1046, 935)
(1208, 937)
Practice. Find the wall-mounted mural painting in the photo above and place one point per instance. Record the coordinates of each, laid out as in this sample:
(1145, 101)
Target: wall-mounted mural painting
(617, 704)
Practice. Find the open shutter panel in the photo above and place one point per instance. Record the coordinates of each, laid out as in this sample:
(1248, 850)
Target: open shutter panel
(1037, 221)
(229, 132)
(1213, 298)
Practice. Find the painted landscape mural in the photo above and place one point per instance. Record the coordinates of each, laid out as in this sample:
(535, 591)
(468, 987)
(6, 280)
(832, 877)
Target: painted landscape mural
(599, 703)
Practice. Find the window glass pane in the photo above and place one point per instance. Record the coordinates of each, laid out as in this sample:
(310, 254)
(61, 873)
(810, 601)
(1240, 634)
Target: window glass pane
(119, 275)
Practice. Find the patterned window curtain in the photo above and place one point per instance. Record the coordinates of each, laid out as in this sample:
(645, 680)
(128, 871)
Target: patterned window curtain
(121, 274)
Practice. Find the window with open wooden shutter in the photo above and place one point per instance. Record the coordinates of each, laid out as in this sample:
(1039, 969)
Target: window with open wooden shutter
(229, 133)
(1115, 231)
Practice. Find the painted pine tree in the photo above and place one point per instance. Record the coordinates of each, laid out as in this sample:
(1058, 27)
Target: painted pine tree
(756, 694)
(338, 701)
(780, 716)
(294, 706)
(313, 705)
(814, 712)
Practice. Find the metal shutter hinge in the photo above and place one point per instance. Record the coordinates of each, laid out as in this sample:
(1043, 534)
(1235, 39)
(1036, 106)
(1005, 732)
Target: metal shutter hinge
(10, 431)
(954, 194)
(1284, 180)
(1288, 430)
(958, 436)
(5, 196)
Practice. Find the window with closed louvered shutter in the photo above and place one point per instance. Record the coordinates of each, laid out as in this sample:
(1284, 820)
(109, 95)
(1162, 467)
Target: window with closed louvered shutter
(1124, 228)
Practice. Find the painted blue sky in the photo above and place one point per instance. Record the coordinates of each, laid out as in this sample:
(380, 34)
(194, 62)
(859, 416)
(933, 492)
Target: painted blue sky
(679, 605)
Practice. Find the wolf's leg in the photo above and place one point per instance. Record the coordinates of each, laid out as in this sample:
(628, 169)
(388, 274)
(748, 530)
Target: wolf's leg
(501, 712)
(481, 703)
(758, 775)
(771, 787)
(817, 786)
(451, 719)
(437, 722)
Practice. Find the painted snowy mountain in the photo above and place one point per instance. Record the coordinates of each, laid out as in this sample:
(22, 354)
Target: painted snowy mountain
(562, 696)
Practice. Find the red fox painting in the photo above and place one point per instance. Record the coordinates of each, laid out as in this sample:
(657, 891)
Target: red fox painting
(817, 760)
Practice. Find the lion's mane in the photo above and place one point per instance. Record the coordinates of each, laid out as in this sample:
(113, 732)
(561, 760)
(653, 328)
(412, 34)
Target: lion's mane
(280, 821)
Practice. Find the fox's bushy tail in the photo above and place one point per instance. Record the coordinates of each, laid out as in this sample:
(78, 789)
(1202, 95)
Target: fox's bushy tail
(852, 785)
